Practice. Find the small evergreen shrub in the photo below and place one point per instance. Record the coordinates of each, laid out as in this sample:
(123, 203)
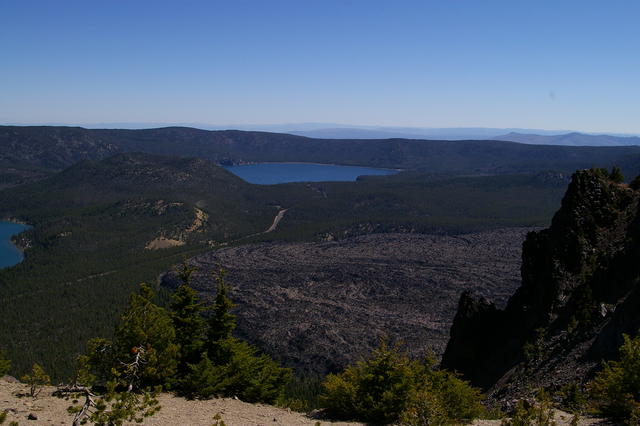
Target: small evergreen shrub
(250, 377)
(616, 389)
(573, 397)
(616, 175)
(302, 393)
(535, 412)
(36, 379)
(424, 408)
(534, 350)
(217, 420)
(148, 326)
(389, 386)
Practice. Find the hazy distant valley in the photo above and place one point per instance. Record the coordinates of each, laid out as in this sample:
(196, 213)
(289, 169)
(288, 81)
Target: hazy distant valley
(352, 259)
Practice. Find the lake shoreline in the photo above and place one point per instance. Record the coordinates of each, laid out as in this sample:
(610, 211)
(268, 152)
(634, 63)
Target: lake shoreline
(253, 163)
(14, 244)
(273, 173)
(10, 219)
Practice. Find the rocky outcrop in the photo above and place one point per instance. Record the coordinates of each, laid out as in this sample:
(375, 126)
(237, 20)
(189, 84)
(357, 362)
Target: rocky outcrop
(579, 293)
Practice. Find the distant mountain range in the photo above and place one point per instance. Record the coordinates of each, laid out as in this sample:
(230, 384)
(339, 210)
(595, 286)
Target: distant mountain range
(342, 131)
(527, 136)
(570, 139)
(445, 133)
(329, 130)
(32, 151)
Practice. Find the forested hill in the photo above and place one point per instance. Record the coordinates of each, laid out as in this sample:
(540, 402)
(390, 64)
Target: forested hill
(101, 227)
(95, 227)
(23, 149)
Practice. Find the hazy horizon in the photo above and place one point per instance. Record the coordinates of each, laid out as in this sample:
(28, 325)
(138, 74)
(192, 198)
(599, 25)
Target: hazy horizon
(302, 127)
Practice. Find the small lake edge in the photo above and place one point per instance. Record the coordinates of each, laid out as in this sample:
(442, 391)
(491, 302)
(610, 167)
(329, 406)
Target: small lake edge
(254, 163)
(274, 173)
(14, 241)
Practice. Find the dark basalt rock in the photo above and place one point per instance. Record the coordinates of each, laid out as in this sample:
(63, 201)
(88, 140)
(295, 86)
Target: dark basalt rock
(579, 293)
(319, 307)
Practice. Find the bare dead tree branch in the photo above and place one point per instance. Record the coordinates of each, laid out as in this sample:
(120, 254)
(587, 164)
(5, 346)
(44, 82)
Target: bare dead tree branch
(89, 401)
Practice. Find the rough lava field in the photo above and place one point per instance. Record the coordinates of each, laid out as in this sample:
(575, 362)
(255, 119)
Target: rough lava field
(320, 306)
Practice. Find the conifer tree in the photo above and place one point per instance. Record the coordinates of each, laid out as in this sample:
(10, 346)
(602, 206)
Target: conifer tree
(132, 368)
(190, 326)
(148, 326)
(221, 323)
(36, 379)
(230, 367)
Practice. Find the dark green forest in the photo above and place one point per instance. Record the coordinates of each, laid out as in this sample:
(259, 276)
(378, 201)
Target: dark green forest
(91, 222)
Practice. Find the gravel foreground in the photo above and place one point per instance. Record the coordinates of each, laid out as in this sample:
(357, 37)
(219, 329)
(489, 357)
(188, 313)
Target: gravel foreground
(50, 410)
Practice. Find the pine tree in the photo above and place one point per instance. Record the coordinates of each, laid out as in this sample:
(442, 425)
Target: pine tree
(36, 379)
(133, 368)
(230, 367)
(221, 323)
(148, 327)
(190, 326)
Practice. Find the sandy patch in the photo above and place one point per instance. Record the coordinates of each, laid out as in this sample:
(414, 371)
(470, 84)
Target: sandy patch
(163, 243)
(199, 222)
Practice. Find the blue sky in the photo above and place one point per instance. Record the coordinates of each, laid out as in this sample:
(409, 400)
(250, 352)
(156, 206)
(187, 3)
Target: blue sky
(533, 64)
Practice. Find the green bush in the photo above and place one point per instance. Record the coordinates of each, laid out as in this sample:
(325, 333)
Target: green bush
(534, 350)
(148, 326)
(389, 386)
(616, 389)
(36, 379)
(247, 375)
(302, 393)
(573, 397)
(424, 408)
(534, 412)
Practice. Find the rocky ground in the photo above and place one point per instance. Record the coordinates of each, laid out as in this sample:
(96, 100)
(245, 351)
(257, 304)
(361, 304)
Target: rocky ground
(321, 306)
(49, 410)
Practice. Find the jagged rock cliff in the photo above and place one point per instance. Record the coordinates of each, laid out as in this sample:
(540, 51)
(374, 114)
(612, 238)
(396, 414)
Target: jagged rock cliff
(580, 291)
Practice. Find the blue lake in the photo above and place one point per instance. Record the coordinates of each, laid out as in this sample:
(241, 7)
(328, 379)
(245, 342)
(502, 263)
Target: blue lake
(272, 173)
(9, 254)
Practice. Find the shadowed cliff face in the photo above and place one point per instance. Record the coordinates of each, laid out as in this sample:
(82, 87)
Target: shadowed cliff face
(579, 293)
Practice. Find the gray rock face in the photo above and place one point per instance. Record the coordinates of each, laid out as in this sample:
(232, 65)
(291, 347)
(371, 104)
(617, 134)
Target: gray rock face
(579, 293)
(321, 306)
